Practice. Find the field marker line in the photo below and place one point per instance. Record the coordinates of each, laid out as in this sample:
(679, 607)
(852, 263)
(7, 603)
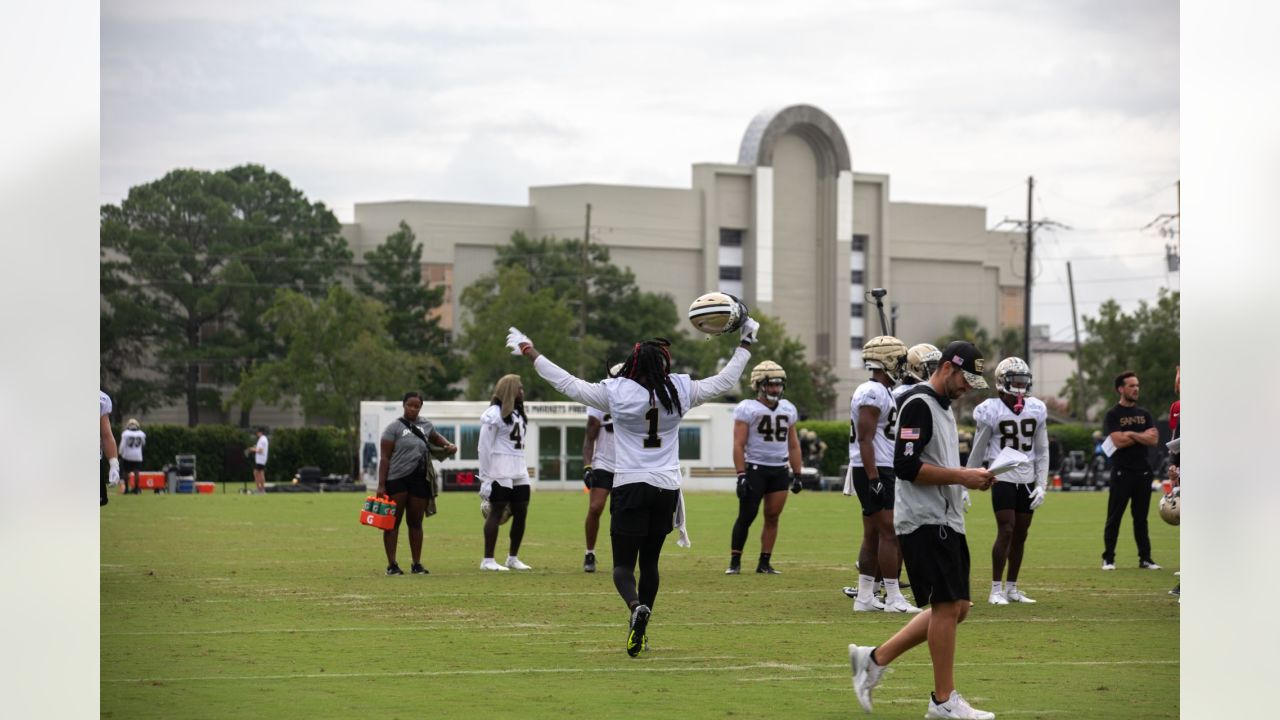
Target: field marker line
(593, 670)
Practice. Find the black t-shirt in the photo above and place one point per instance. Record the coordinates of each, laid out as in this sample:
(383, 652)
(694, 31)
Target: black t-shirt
(1134, 419)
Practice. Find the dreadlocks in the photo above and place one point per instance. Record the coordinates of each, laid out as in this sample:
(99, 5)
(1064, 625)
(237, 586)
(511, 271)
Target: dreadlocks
(650, 366)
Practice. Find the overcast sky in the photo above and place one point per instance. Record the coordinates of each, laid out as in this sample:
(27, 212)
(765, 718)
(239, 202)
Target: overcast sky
(957, 100)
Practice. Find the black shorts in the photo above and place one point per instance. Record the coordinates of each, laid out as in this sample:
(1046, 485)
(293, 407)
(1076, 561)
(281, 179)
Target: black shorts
(937, 561)
(874, 496)
(129, 466)
(1011, 496)
(259, 466)
(416, 485)
(642, 510)
(500, 494)
(766, 479)
(601, 479)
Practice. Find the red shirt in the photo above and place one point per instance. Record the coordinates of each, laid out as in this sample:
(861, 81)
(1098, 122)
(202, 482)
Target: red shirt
(1174, 410)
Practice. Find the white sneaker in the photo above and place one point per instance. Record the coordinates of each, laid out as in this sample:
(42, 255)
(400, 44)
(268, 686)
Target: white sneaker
(491, 564)
(515, 564)
(1108, 566)
(866, 674)
(997, 598)
(899, 604)
(872, 605)
(956, 707)
(1015, 595)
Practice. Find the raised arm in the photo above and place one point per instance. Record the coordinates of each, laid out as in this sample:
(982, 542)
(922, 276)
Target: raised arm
(574, 388)
(723, 381)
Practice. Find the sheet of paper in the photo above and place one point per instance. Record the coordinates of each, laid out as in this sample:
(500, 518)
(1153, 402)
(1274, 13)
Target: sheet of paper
(1174, 444)
(1108, 447)
(1010, 459)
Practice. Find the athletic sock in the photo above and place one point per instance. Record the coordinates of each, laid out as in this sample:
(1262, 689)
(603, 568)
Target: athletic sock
(865, 588)
(764, 559)
(1012, 587)
(591, 551)
(997, 587)
(891, 589)
(735, 559)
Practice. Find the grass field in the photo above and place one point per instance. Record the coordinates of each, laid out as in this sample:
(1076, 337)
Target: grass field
(276, 606)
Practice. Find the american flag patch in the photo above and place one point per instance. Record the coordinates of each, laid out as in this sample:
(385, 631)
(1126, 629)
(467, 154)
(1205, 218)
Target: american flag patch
(909, 433)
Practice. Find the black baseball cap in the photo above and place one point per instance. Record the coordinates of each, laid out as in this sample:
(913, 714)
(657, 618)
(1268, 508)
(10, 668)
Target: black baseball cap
(968, 358)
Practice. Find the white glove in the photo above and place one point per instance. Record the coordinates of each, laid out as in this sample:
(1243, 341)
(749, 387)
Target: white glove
(485, 487)
(515, 339)
(1037, 497)
(749, 329)
(964, 495)
(113, 476)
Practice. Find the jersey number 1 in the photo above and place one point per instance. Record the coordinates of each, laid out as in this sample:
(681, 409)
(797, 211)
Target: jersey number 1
(652, 440)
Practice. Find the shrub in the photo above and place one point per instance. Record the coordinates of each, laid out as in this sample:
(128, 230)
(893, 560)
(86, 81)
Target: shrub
(220, 456)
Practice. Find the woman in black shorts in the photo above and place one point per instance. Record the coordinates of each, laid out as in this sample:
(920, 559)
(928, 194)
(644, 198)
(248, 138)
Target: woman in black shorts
(402, 475)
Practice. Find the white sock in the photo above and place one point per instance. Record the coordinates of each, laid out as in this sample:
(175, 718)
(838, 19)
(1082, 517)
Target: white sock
(512, 557)
(875, 587)
(891, 589)
(997, 586)
(591, 551)
(1012, 588)
(489, 560)
(865, 588)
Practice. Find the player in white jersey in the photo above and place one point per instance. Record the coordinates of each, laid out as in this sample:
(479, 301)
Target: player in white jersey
(597, 472)
(504, 475)
(1013, 420)
(872, 416)
(107, 448)
(647, 403)
(132, 440)
(764, 445)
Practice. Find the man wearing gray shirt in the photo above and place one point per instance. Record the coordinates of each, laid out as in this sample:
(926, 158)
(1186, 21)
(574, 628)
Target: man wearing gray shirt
(929, 521)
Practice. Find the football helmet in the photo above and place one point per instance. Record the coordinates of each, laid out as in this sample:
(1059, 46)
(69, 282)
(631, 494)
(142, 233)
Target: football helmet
(887, 353)
(506, 512)
(132, 424)
(1013, 376)
(767, 372)
(1171, 507)
(922, 361)
(717, 313)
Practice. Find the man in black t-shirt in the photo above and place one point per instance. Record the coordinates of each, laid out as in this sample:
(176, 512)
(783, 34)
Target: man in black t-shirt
(1132, 430)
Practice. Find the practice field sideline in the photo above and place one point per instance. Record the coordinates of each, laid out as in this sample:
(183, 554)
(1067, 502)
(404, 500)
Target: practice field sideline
(235, 606)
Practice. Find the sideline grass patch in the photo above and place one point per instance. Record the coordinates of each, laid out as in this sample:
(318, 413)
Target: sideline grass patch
(236, 606)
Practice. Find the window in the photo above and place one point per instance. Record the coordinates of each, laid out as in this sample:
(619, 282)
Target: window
(855, 277)
(859, 243)
(549, 458)
(446, 431)
(690, 443)
(731, 238)
(469, 448)
(855, 342)
(855, 309)
(730, 272)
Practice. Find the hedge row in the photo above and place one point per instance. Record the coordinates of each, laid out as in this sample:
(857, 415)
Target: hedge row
(220, 456)
(835, 433)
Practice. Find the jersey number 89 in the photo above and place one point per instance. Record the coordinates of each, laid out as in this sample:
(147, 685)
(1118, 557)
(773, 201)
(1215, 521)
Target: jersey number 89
(1010, 437)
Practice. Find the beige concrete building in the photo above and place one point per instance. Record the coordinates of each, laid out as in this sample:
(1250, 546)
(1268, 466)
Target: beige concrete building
(790, 228)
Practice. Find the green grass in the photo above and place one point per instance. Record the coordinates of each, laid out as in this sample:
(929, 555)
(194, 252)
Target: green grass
(234, 606)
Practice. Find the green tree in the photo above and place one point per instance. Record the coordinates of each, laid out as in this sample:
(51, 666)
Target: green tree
(338, 352)
(195, 256)
(508, 297)
(618, 312)
(1007, 343)
(1146, 342)
(394, 278)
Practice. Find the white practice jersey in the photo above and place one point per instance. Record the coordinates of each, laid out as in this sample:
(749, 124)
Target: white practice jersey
(261, 450)
(602, 458)
(767, 430)
(501, 447)
(646, 437)
(131, 443)
(104, 408)
(874, 394)
(997, 427)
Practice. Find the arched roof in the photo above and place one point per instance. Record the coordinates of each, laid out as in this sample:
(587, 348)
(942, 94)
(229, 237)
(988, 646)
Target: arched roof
(815, 126)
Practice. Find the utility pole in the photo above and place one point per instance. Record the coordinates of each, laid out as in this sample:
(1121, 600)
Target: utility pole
(1026, 292)
(582, 326)
(1075, 325)
(1170, 227)
(1030, 225)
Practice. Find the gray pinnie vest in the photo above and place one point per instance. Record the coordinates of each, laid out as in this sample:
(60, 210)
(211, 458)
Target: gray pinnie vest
(917, 505)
